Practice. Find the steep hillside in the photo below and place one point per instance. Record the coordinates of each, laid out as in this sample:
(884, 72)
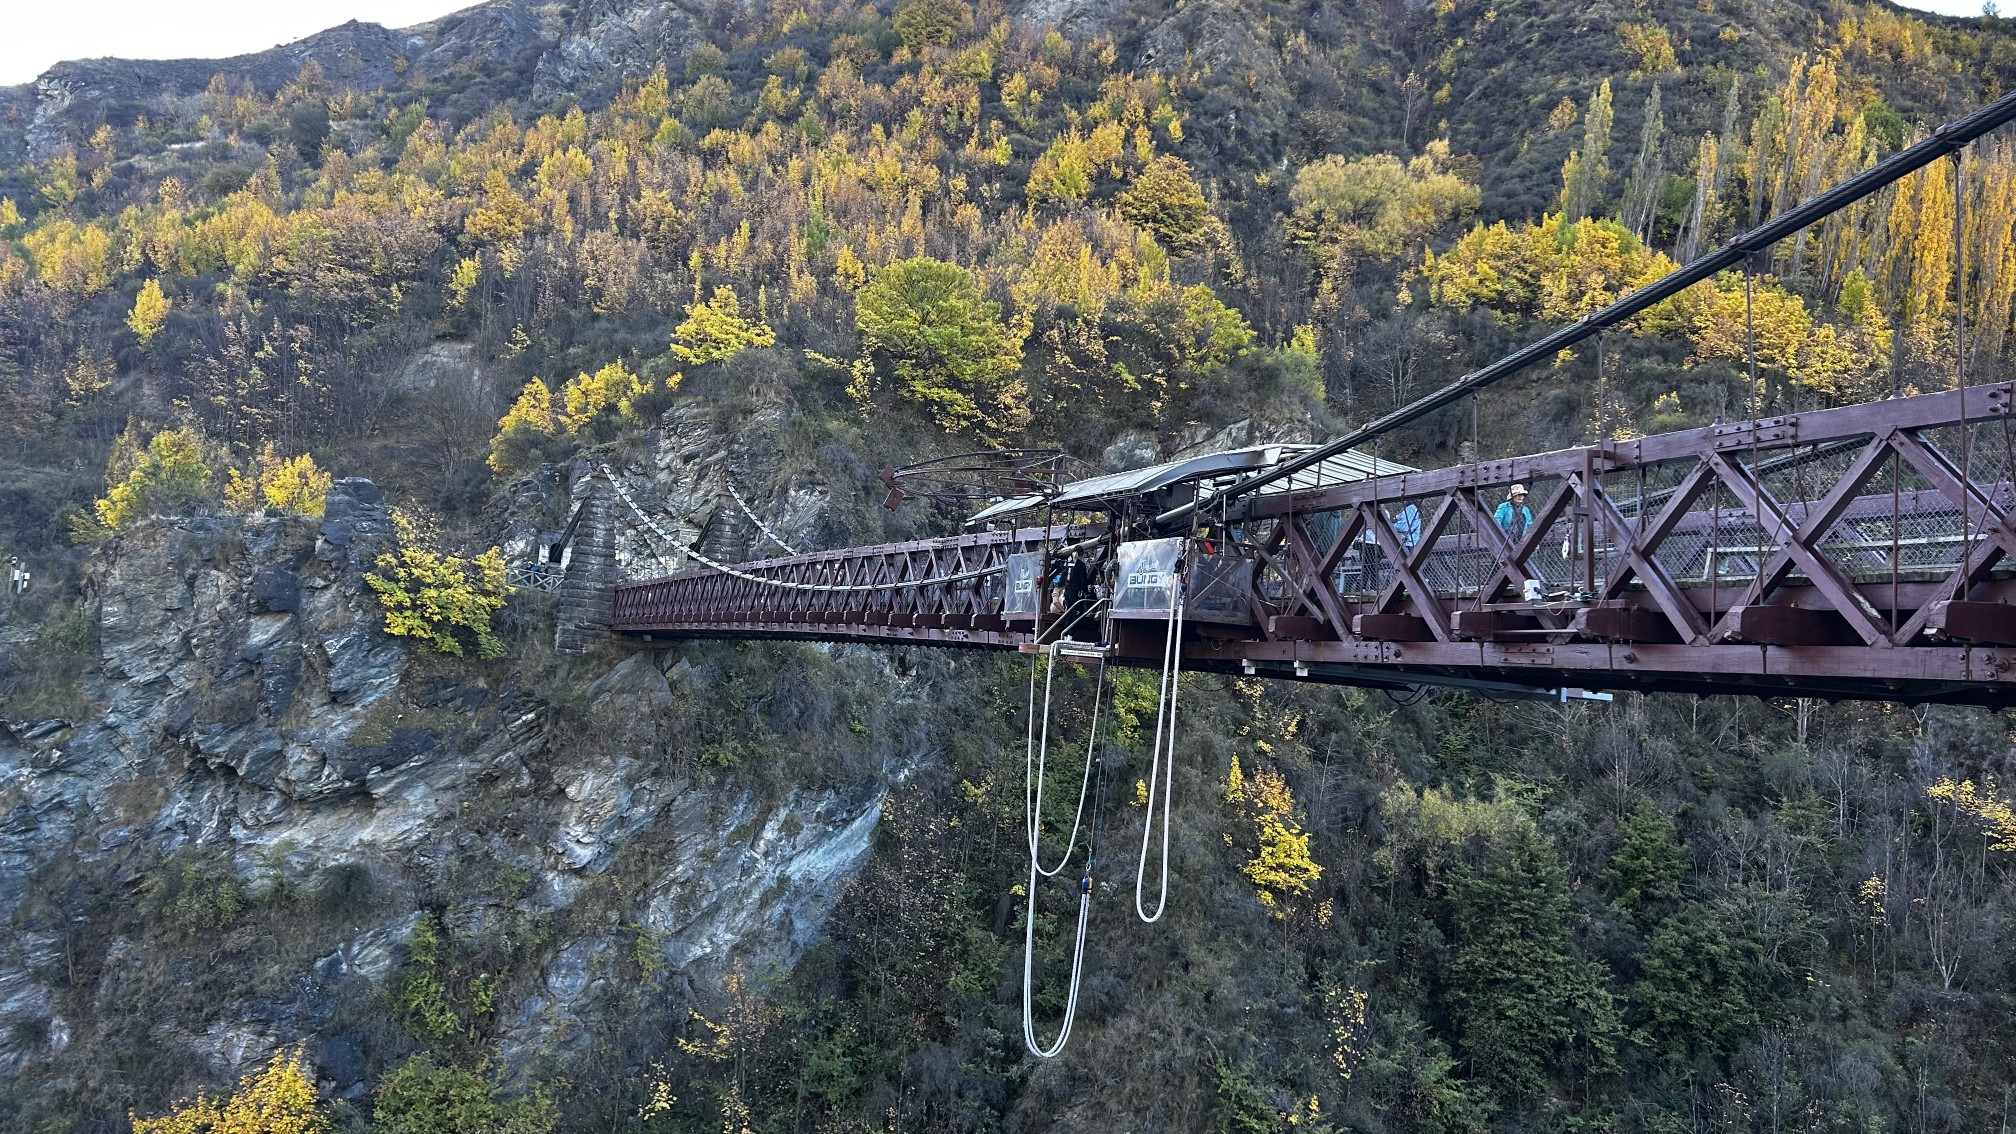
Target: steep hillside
(292, 785)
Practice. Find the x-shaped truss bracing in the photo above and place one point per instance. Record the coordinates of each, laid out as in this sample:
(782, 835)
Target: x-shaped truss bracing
(1865, 551)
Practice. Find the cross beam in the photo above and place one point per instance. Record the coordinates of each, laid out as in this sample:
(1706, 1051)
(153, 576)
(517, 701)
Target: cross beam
(1862, 552)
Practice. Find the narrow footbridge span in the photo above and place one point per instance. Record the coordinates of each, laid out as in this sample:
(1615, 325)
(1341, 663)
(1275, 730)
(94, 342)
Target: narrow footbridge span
(1863, 552)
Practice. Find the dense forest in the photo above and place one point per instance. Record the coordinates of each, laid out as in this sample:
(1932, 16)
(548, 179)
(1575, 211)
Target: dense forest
(928, 226)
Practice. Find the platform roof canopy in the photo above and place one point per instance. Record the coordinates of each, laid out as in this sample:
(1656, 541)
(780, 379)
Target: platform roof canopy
(1209, 471)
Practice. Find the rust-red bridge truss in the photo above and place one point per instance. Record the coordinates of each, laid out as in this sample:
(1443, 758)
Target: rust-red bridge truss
(1865, 552)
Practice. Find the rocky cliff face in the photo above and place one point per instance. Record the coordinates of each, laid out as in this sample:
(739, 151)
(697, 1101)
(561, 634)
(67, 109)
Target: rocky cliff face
(559, 48)
(76, 95)
(257, 744)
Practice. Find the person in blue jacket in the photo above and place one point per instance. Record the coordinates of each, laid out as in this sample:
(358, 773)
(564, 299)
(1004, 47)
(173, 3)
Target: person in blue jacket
(1513, 516)
(1407, 525)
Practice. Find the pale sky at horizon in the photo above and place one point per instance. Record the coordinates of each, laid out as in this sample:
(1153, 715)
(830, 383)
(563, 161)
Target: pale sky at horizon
(41, 33)
(37, 34)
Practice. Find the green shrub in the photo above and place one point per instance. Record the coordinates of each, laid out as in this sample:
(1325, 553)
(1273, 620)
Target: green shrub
(423, 1098)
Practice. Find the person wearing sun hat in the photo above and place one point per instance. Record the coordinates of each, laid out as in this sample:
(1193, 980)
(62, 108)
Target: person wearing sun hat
(1513, 516)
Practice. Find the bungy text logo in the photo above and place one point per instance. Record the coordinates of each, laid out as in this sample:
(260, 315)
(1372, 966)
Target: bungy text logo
(1151, 578)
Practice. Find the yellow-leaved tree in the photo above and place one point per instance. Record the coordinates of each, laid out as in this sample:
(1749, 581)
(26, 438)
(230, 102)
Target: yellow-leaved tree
(291, 484)
(934, 340)
(1990, 812)
(150, 312)
(1280, 868)
(715, 331)
(529, 422)
(588, 396)
(167, 475)
(444, 600)
(1166, 200)
(463, 280)
(279, 1100)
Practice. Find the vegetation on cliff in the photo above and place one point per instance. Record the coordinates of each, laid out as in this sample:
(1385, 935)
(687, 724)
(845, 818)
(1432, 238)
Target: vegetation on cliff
(923, 226)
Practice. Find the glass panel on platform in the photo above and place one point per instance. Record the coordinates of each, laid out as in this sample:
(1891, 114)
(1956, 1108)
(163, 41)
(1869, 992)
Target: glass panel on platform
(1025, 585)
(1145, 583)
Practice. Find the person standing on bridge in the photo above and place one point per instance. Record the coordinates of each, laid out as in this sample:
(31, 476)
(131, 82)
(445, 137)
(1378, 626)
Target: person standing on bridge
(1407, 525)
(1513, 516)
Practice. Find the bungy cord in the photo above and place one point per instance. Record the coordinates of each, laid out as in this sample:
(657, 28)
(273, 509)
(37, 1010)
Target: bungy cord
(1037, 757)
(1035, 793)
(1165, 721)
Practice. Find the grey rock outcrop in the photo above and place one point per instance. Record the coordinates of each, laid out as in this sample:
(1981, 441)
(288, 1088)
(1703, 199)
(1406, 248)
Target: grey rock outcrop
(73, 97)
(611, 40)
(250, 710)
(685, 482)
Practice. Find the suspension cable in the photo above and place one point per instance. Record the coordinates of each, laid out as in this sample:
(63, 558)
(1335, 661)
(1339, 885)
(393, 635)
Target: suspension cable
(758, 520)
(785, 584)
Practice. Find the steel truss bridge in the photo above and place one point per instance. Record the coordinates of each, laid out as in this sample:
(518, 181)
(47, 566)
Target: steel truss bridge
(1864, 551)
(1861, 552)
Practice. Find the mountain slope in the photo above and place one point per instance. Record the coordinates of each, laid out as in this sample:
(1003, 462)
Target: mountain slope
(763, 250)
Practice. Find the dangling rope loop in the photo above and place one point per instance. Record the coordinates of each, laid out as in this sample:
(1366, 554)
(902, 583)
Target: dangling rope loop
(1038, 756)
(1033, 796)
(1162, 757)
(1029, 968)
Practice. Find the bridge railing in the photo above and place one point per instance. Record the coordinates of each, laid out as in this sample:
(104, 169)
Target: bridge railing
(948, 587)
(1859, 524)
(1867, 550)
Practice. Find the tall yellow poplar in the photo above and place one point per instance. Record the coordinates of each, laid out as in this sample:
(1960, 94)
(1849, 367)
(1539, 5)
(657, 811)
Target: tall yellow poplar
(150, 312)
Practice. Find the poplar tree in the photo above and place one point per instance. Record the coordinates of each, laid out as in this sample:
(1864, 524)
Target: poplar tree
(1585, 171)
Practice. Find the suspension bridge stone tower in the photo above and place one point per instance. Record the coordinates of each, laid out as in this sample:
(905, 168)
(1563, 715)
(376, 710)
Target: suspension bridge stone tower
(587, 592)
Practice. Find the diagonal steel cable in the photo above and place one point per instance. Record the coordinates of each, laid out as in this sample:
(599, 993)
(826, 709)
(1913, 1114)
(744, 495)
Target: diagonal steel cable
(758, 520)
(784, 584)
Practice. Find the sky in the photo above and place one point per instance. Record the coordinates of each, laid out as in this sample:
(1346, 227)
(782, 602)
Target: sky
(39, 33)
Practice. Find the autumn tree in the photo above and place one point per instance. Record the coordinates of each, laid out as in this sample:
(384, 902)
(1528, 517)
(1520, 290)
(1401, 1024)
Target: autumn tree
(503, 215)
(528, 424)
(168, 475)
(1165, 200)
(715, 331)
(587, 397)
(928, 22)
(282, 1099)
(1554, 269)
(290, 484)
(445, 601)
(1375, 208)
(1587, 169)
(934, 342)
(1279, 866)
(150, 312)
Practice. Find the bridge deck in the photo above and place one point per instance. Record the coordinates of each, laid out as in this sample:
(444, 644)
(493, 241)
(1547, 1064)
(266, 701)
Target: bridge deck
(1857, 552)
